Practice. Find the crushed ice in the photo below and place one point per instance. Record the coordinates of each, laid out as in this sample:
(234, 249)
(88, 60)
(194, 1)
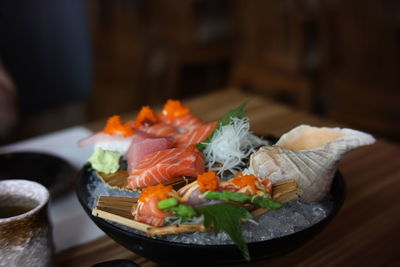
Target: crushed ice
(294, 216)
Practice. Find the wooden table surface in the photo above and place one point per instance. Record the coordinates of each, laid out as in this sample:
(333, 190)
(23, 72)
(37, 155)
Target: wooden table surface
(366, 231)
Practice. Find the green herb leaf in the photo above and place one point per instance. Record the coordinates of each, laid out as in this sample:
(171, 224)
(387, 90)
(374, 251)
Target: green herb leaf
(226, 196)
(225, 120)
(266, 202)
(228, 218)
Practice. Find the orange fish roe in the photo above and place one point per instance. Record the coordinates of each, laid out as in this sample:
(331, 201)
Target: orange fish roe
(243, 181)
(145, 116)
(208, 181)
(160, 191)
(116, 126)
(174, 108)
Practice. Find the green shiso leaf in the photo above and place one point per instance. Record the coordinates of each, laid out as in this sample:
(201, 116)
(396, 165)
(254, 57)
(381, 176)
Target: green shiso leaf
(228, 218)
(225, 120)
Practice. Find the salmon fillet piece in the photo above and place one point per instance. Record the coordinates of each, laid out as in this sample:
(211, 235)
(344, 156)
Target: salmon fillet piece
(195, 135)
(159, 129)
(186, 122)
(143, 145)
(165, 165)
(148, 212)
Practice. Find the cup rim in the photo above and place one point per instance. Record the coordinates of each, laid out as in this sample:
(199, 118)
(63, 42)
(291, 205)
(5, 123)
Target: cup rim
(40, 189)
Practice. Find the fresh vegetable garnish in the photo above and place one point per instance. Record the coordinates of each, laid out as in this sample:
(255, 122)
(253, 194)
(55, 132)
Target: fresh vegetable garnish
(231, 146)
(145, 117)
(174, 108)
(208, 181)
(116, 126)
(228, 218)
(263, 201)
(168, 203)
(227, 196)
(181, 211)
(225, 120)
(160, 191)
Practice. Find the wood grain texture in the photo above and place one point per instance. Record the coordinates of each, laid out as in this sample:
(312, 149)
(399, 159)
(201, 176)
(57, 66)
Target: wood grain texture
(364, 233)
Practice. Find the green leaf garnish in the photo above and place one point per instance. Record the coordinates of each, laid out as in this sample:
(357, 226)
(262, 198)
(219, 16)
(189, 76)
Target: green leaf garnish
(266, 202)
(228, 218)
(225, 120)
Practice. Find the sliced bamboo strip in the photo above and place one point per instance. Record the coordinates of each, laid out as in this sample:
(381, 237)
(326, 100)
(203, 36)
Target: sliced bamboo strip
(283, 192)
(118, 180)
(119, 219)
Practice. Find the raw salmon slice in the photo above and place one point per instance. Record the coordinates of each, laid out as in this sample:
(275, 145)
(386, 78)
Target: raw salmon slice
(148, 212)
(186, 122)
(143, 145)
(195, 135)
(165, 165)
(160, 129)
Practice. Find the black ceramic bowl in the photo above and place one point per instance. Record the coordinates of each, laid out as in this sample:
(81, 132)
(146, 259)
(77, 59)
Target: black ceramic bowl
(56, 174)
(184, 254)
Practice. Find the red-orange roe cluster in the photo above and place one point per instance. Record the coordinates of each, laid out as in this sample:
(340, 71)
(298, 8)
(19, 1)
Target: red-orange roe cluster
(208, 181)
(116, 126)
(244, 180)
(145, 116)
(174, 108)
(160, 191)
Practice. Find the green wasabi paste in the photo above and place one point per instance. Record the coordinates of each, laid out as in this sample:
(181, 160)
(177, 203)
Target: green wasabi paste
(105, 161)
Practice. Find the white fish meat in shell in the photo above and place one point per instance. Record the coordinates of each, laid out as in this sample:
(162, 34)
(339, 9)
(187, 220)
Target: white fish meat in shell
(309, 155)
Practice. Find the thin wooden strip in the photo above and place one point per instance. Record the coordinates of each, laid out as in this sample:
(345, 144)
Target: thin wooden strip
(118, 199)
(119, 219)
(126, 209)
(282, 188)
(115, 205)
(123, 213)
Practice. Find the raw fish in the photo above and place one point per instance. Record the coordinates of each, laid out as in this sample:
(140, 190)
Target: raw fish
(143, 145)
(148, 212)
(194, 135)
(185, 122)
(159, 129)
(159, 167)
(117, 142)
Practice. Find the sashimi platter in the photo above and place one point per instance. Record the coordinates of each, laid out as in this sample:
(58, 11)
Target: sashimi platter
(174, 181)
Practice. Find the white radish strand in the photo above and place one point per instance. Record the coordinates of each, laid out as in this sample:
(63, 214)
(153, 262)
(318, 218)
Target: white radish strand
(231, 145)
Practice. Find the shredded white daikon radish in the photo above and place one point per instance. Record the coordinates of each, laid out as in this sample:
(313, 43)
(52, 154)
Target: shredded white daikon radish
(231, 145)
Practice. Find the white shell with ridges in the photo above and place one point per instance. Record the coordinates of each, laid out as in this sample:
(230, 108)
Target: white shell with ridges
(310, 155)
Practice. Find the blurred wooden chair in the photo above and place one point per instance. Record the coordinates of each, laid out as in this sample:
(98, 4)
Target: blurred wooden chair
(273, 56)
(360, 64)
(184, 33)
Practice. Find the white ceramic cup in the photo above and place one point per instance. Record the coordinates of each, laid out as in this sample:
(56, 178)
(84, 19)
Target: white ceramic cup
(25, 230)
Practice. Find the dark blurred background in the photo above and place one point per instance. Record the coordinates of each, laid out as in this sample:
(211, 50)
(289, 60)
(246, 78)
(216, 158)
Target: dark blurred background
(334, 58)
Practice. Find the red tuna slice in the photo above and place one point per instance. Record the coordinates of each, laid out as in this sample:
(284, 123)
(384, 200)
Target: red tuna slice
(165, 165)
(195, 135)
(186, 122)
(159, 129)
(143, 145)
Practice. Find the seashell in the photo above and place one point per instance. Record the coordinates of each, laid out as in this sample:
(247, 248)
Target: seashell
(309, 155)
